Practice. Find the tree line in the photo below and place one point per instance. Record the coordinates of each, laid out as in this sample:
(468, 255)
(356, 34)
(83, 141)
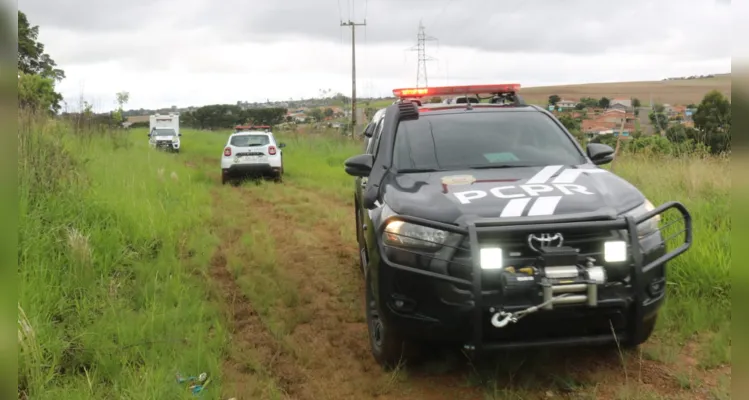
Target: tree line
(225, 116)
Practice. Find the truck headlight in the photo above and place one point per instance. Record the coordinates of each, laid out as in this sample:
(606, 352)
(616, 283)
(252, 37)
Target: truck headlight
(649, 226)
(406, 234)
(400, 233)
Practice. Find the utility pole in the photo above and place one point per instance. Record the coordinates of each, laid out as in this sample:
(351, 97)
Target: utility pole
(353, 26)
(421, 68)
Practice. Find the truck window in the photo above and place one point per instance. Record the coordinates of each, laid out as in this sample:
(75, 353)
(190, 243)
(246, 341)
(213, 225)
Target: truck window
(465, 140)
(249, 140)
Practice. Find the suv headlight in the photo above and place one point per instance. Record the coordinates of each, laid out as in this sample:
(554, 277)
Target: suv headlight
(649, 226)
(406, 234)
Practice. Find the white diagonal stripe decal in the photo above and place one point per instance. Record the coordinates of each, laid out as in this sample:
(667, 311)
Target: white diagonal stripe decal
(543, 175)
(571, 175)
(544, 206)
(515, 207)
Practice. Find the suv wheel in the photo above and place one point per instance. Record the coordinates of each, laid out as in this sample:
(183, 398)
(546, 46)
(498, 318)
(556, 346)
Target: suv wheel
(389, 347)
(278, 176)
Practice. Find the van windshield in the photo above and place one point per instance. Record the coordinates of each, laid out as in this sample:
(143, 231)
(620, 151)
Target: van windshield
(163, 132)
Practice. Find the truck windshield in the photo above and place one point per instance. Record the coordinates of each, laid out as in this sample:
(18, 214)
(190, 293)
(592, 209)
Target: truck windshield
(249, 140)
(163, 132)
(482, 140)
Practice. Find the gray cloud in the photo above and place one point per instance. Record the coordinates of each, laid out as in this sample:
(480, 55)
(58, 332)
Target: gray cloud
(540, 26)
(581, 27)
(91, 16)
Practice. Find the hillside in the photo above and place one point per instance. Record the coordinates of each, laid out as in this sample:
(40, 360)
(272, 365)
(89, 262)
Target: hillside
(671, 92)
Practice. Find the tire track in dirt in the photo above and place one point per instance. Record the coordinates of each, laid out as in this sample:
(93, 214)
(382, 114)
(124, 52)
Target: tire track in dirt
(255, 352)
(329, 279)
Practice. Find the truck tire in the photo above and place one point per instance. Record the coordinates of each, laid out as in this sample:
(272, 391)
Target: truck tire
(388, 345)
(648, 326)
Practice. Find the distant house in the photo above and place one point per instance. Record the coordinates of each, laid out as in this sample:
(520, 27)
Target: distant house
(565, 103)
(620, 103)
(618, 116)
(602, 126)
(673, 111)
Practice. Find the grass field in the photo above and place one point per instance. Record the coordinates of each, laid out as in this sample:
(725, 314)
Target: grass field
(682, 92)
(135, 265)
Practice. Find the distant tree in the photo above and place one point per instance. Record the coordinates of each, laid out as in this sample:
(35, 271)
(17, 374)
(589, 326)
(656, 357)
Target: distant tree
(636, 102)
(713, 121)
(122, 99)
(37, 72)
(569, 122)
(589, 102)
(316, 114)
(604, 102)
(554, 99)
(31, 56)
(678, 133)
(658, 117)
(329, 112)
(579, 106)
(37, 93)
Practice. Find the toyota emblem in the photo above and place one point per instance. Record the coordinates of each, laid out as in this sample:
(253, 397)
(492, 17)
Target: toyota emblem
(536, 242)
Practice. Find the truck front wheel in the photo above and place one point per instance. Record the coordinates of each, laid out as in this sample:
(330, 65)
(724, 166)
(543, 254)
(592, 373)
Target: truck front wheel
(648, 326)
(389, 347)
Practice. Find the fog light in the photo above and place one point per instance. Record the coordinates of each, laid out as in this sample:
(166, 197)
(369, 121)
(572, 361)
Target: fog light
(491, 258)
(615, 251)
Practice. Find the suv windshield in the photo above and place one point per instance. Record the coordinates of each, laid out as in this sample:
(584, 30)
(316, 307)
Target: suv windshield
(163, 132)
(249, 140)
(482, 140)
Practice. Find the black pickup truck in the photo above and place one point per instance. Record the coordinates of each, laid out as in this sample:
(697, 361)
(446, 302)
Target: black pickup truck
(484, 224)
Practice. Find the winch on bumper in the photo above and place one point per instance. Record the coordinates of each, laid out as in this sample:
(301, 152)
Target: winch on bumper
(604, 284)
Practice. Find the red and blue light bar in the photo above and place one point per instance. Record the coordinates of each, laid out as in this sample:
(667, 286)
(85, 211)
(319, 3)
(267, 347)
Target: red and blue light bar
(456, 90)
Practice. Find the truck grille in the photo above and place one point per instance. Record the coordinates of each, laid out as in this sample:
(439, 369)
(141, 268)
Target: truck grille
(517, 252)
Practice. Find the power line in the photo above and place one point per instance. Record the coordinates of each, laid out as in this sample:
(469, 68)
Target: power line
(420, 48)
(353, 26)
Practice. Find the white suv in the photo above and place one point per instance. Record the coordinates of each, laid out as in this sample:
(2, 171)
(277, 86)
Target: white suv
(252, 153)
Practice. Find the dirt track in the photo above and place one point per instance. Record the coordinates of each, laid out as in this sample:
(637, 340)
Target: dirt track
(308, 339)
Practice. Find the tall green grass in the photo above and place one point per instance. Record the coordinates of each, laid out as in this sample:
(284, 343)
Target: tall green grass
(110, 256)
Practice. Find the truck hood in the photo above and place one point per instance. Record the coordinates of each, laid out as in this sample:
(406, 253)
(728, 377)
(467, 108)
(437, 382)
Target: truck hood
(542, 192)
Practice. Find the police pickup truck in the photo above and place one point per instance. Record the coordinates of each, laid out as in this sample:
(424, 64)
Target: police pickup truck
(486, 225)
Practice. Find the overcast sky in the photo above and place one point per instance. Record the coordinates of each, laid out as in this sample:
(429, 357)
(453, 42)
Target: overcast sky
(197, 52)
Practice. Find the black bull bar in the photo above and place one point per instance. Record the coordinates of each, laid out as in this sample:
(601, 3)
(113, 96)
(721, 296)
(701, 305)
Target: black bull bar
(474, 229)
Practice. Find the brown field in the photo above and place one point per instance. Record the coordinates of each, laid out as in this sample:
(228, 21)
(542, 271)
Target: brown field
(680, 92)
